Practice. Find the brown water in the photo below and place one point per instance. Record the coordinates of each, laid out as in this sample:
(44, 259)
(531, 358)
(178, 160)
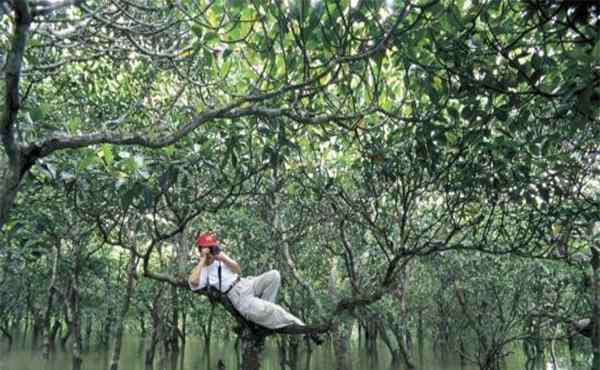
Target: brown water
(132, 358)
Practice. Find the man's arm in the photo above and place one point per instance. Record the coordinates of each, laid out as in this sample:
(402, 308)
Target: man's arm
(194, 278)
(233, 265)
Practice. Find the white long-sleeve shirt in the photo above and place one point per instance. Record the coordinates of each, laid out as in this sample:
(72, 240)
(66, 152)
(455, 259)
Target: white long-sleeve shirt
(209, 276)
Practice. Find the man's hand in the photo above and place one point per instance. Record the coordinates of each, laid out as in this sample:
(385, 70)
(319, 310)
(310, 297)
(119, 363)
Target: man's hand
(218, 256)
(234, 266)
(204, 252)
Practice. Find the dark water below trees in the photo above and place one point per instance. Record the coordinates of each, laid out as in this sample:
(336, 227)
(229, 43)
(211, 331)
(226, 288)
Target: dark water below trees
(21, 357)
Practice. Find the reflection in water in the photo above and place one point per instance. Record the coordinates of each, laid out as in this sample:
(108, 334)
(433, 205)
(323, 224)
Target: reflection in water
(322, 358)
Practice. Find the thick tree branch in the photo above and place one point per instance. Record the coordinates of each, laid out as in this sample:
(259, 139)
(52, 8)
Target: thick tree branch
(14, 63)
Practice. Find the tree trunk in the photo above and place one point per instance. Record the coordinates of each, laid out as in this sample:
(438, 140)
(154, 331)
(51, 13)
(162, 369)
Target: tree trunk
(341, 341)
(371, 339)
(289, 352)
(114, 365)
(151, 351)
(183, 336)
(252, 346)
(420, 336)
(38, 327)
(207, 329)
(394, 352)
(13, 167)
(143, 333)
(88, 334)
(156, 331)
(572, 356)
(6, 333)
(53, 333)
(595, 298)
(50, 304)
(66, 336)
(173, 337)
(75, 308)
(107, 328)
(404, 354)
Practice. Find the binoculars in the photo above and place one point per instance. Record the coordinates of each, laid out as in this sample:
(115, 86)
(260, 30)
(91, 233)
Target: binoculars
(214, 250)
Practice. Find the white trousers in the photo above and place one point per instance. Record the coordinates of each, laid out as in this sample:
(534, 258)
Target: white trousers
(254, 297)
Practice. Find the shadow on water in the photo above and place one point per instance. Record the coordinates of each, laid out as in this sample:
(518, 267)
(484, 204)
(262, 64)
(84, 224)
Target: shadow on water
(224, 356)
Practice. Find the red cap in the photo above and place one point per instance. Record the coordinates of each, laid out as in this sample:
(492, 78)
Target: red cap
(206, 240)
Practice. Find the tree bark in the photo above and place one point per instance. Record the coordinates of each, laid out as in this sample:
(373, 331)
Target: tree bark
(75, 308)
(173, 337)
(114, 365)
(404, 354)
(50, 304)
(88, 334)
(156, 331)
(107, 326)
(572, 356)
(420, 336)
(16, 166)
(394, 352)
(6, 334)
(595, 295)
(252, 345)
(341, 341)
(54, 332)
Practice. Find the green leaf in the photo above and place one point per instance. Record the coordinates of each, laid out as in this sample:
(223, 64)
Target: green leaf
(40, 112)
(168, 178)
(210, 37)
(501, 115)
(197, 30)
(89, 159)
(107, 154)
(596, 53)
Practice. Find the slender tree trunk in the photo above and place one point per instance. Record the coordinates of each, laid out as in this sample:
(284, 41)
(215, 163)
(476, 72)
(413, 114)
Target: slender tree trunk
(553, 354)
(404, 354)
(341, 338)
(595, 295)
(50, 303)
(572, 355)
(208, 331)
(420, 336)
(293, 352)
(26, 324)
(6, 333)
(173, 338)
(106, 329)
(53, 333)
(38, 327)
(394, 352)
(156, 331)
(252, 346)
(116, 355)
(75, 307)
(462, 351)
(143, 333)
(183, 336)
(371, 340)
(88, 334)
(151, 351)
(67, 334)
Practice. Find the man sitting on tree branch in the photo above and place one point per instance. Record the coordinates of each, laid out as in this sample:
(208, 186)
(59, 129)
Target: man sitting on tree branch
(253, 297)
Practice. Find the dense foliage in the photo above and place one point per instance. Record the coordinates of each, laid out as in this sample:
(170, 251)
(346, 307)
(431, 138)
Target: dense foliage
(424, 168)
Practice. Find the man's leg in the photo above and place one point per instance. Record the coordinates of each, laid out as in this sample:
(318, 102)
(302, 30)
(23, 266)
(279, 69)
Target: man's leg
(266, 285)
(267, 314)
